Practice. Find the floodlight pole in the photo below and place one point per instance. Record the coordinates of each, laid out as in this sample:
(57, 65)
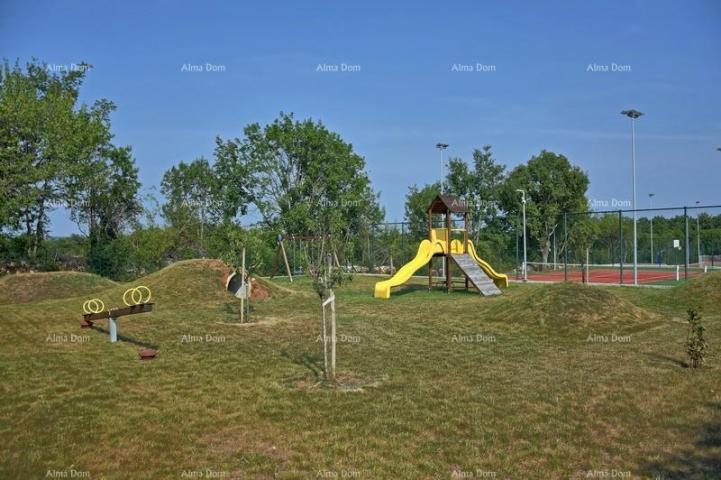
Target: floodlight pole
(525, 255)
(633, 115)
(441, 147)
(698, 235)
(650, 201)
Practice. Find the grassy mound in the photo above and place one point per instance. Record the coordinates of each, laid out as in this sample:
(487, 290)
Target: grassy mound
(703, 291)
(197, 281)
(35, 287)
(572, 305)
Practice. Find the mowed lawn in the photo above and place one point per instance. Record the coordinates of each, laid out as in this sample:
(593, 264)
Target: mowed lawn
(560, 381)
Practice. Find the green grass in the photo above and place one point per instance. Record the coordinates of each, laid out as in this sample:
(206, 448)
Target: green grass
(431, 383)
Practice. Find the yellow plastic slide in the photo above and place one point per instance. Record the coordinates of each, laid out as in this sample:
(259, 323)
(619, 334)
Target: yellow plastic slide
(500, 279)
(426, 250)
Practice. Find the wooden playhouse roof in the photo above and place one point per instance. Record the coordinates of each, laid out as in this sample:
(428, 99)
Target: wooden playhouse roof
(446, 204)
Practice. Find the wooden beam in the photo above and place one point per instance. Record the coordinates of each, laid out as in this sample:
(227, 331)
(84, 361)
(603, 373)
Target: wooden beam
(465, 234)
(274, 268)
(285, 259)
(120, 312)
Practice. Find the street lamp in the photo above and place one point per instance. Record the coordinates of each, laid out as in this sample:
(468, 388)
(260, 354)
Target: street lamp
(525, 255)
(650, 202)
(441, 147)
(698, 235)
(633, 115)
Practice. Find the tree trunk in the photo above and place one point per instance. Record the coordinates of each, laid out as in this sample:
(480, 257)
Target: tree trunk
(332, 339)
(325, 340)
(545, 250)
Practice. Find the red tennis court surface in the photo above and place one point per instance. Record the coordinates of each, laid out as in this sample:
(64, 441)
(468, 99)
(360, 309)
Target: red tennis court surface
(612, 275)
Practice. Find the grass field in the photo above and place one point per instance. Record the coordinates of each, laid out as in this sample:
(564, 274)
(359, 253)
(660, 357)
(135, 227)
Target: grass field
(546, 381)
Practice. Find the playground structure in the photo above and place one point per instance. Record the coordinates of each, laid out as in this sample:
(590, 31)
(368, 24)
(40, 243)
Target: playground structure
(136, 299)
(460, 252)
(306, 252)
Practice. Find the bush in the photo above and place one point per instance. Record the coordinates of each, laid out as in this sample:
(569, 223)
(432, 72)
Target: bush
(112, 258)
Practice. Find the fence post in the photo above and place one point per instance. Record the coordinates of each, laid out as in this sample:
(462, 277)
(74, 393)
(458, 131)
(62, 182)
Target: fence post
(517, 258)
(565, 247)
(403, 250)
(621, 249)
(686, 244)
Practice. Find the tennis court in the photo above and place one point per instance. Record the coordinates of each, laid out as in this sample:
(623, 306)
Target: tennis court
(647, 274)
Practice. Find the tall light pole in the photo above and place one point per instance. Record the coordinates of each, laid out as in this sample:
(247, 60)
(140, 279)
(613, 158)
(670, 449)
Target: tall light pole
(650, 203)
(441, 147)
(525, 255)
(698, 234)
(633, 115)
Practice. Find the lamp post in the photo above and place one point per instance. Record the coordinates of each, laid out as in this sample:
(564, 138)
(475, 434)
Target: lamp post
(650, 203)
(633, 115)
(441, 147)
(698, 234)
(525, 255)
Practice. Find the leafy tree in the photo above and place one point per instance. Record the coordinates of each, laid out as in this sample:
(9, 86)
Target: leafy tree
(553, 186)
(190, 190)
(150, 248)
(417, 200)
(37, 142)
(479, 186)
(56, 152)
(103, 195)
(301, 178)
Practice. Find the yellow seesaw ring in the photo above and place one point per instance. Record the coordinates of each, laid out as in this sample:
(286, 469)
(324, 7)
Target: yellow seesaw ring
(94, 305)
(136, 295)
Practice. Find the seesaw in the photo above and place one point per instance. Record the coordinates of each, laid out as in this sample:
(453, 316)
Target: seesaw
(135, 301)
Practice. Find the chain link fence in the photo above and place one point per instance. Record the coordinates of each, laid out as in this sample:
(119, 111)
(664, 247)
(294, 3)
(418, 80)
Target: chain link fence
(673, 244)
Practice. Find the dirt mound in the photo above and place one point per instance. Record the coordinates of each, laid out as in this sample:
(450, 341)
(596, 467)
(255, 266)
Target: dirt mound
(35, 287)
(572, 305)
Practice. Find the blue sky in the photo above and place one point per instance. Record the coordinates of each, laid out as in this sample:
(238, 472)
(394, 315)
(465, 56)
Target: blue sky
(406, 97)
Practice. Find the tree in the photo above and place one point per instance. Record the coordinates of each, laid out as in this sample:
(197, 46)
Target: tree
(417, 200)
(37, 142)
(478, 186)
(553, 186)
(326, 278)
(56, 152)
(103, 192)
(301, 177)
(190, 190)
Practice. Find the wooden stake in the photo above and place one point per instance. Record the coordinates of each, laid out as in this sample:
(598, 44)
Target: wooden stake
(285, 259)
(332, 329)
(242, 287)
(332, 337)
